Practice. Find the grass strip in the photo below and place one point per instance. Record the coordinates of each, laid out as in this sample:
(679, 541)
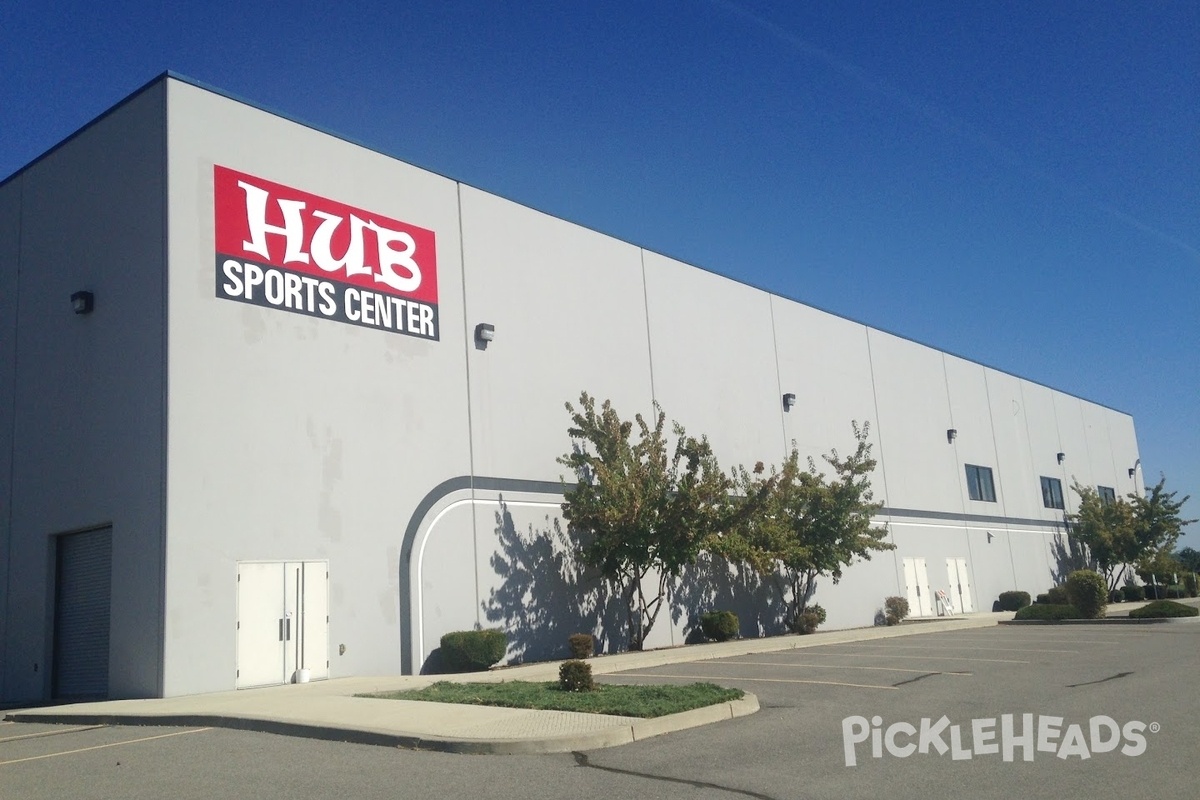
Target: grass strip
(621, 700)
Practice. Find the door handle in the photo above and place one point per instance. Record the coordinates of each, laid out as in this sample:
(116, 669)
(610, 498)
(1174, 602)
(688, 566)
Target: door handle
(289, 629)
(281, 629)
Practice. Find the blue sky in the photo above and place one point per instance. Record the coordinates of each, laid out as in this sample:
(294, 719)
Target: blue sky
(1015, 182)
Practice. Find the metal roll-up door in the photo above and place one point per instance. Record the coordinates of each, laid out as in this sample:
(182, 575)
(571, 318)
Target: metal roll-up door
(81, 614)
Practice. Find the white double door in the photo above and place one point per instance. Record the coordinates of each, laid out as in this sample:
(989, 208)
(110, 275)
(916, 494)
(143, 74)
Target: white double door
(916, 583)
(960, 585)
(282, 621)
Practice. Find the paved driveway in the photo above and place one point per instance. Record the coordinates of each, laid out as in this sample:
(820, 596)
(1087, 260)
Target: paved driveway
(793, 748)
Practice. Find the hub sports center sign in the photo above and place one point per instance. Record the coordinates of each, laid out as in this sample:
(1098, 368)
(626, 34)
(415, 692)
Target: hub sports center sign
(282, 248)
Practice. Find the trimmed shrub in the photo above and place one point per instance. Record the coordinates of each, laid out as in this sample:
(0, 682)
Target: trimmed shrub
(1115, 596)
(582, 645)
(895, 609)
(1164, 608)
(1133, 593)
(1048, 611)
(1013, 601)
(719, 625)
(1088, 592)
(1191, 584)
(575, 676)
(806, 622)
(1042, 599)
(1057, 596)
(1176, 592)
(473, 651)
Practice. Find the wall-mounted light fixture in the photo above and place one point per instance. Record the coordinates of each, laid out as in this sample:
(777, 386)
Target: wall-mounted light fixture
(1132, 471)
(1061, 457)
(951, 435)
(83, 302)
(789, 400)
(485, 332)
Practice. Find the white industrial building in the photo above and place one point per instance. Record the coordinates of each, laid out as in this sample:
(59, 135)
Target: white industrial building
(271, 401)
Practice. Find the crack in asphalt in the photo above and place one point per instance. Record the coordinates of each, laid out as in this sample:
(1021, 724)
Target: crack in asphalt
(1102, 680)
(581, 760)
(918, 678)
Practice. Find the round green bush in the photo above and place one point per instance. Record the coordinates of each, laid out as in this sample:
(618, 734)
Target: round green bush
(473, 651)
(1057, 596)
(575, 676)
(1088, 592)
(582, 645)
(1133, 593)
(719, 625)
(1013, 601)
(806, 622)
(1047, 611)
(895, 609)
(1164, 608)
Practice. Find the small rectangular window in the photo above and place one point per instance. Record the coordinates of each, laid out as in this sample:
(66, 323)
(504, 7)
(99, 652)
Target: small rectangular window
(1107, 495)
(979, 483)
(1052, 496)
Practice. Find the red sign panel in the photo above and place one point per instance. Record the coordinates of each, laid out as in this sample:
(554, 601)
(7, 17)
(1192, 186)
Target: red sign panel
(283, 248)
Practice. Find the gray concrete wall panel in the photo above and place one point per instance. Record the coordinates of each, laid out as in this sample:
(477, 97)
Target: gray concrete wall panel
(825, 362)
(567, 305)
(1022, 485)
(971, 416)
(294, 437)
(919, 464)
(714, 360)
(1072, 437)
(88, 407)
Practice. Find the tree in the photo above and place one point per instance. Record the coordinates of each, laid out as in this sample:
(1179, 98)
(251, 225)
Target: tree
(642, 510)
(1124, 532)
(809, 526)
(1108, 530)
(1190, 558)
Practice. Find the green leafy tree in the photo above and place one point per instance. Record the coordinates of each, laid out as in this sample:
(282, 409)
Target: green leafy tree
(1190, 558)
(1108, 530)
(1128, 531)
(642, 508)
(809, 525)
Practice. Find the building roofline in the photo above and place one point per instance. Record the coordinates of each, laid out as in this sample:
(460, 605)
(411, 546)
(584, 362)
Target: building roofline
(172, 75)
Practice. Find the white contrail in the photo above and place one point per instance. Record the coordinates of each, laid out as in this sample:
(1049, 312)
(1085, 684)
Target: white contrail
(947, 121)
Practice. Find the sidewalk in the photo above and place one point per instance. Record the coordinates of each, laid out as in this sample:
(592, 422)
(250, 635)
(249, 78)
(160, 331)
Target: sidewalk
(329, 710)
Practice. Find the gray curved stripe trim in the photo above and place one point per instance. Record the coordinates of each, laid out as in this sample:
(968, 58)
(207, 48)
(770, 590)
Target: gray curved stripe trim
(446, 487)
(984, 518)
(464, 482)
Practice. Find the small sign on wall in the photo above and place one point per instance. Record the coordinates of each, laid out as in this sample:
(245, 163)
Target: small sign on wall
(286, 249)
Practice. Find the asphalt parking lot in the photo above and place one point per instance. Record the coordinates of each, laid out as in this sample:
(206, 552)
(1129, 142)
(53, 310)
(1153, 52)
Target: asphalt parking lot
(795, 747)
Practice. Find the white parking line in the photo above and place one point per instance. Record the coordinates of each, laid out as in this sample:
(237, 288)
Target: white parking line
(56, 732)
(969, 647)
(760, 680)
(102, 746)
(843, 666)
(921, 658)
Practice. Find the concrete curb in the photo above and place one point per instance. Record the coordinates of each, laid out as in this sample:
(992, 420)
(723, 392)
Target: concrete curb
(607, 737)
(1104, 621)
(331, 710)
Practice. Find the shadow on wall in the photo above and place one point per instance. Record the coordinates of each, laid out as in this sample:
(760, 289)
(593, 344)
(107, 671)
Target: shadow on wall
(1069, 555)
(545, 595)
(713, 584)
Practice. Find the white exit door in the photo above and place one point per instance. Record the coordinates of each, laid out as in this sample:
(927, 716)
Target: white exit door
(916, 582)
(282, 621)
(960, 584)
